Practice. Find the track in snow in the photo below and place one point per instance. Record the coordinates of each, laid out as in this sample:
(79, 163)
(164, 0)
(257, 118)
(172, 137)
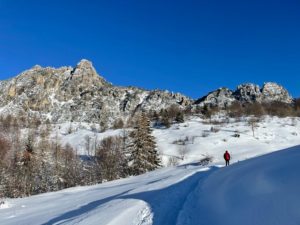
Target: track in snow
(261, 191)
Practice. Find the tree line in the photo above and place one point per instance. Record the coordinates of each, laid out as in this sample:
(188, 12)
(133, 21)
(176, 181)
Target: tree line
(238, 109)
(32, 162)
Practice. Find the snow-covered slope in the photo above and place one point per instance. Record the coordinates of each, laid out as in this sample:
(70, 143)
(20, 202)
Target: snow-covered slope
(153, 197)
(260, 191)
(270, 134)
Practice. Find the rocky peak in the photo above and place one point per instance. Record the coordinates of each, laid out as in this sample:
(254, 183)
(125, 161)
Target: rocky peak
(222, 97)
(86, 73)
(78, 94)
(36, 67)
(248, 92)
(84, 68)
(274, 92)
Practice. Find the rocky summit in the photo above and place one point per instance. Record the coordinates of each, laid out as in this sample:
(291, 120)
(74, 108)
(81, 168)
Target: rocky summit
(246, 93)
(80, 94)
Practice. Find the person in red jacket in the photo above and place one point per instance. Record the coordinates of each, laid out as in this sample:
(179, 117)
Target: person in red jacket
(227, 158)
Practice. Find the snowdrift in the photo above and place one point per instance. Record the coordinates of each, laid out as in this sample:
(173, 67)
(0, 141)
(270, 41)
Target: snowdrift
(260, 191)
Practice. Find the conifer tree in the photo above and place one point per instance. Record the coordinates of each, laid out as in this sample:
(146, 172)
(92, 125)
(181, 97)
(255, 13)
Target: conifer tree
(144, 156)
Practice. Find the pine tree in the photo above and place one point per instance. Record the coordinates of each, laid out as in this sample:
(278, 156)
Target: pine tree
(144, 156)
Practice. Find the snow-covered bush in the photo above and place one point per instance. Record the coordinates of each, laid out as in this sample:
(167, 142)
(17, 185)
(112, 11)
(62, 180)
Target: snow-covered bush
(184, 141)
(205, 133)
(294, 133)
(173, 161)
(215, 129)
(206, 160)
(182, 152)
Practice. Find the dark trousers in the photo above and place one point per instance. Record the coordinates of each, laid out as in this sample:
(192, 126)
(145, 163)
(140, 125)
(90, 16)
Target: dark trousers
(227, 162)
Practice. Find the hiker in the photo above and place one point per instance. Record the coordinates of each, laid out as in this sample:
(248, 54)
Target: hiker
(227, 158)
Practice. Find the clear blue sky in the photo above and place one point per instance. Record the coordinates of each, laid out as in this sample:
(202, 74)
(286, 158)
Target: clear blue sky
(186, 46)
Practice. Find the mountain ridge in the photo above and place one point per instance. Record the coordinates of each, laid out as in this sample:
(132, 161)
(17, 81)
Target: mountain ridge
(80, 94)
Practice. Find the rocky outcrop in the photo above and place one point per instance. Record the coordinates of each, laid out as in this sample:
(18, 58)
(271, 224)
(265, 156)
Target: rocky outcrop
(274, 92)
(221, 98)
(78, 94)
(246, 93)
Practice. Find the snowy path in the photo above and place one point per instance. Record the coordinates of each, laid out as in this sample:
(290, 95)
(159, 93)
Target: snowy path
(153, 198)
(261, 191)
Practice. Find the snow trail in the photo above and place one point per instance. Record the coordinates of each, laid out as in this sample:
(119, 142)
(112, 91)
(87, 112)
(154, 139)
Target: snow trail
(260, 191)
(166, 203)
(152, 198)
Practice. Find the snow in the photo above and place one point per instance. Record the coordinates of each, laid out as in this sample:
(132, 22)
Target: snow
(259, 191)
(271, 134)
(117, 202)
(262, 190)
(4, 205)
(77, 137)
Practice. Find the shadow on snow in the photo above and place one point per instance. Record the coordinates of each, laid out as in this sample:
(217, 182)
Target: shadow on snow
(165, 203)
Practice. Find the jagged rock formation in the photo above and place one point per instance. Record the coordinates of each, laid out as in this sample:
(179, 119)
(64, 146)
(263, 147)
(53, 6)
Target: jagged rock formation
(246, 93)
(80, 94)
(77, 94)
(220, 98)
(274, 92)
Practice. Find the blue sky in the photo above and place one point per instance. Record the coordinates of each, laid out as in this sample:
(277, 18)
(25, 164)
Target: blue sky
(186, 46)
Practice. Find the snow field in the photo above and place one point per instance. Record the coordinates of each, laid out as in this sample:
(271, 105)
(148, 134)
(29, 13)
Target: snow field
(271, 134)
(261, 191)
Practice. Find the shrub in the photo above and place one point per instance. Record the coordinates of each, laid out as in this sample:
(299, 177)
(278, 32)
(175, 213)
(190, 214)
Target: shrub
(206, 160)
(118, 124)
(205, 133)
(254, 109)
(215, 129)
(279, 109)
(235, 110)
(173, 161)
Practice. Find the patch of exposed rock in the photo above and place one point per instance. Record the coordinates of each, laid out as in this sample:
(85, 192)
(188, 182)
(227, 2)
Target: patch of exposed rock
(274, 92)
(246, 93)
(78, 94)
(220, 98)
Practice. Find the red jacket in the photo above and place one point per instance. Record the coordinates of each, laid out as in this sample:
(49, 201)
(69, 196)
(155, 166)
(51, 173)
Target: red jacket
(226, 156)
